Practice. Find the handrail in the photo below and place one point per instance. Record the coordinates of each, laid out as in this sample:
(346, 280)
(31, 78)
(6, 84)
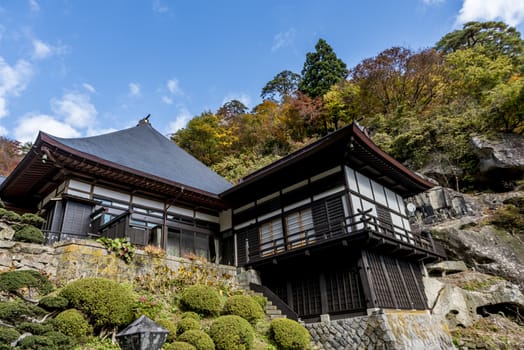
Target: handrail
(275, 299)
(345, 227)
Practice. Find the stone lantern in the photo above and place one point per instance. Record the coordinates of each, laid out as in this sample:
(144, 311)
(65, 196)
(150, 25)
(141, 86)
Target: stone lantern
(142, 334)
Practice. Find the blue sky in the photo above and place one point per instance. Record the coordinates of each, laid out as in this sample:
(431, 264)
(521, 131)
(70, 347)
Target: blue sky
(78, 68)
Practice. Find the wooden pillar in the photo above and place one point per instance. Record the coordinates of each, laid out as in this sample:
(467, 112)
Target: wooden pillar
(367, 280)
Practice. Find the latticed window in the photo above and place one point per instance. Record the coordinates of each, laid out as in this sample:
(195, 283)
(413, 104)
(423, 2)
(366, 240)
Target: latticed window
(271, 237)
(299, 228)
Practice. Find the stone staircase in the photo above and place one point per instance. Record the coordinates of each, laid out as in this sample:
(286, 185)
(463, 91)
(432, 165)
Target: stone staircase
(271, 311)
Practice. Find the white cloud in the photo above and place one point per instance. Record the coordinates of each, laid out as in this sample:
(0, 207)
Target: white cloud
(34, 6)
(13, 80)
(159, 6)
(90, 88)
(41, 50)
(509, 11)
(283, 39)
(76, 109)
(134, 89)
(30, 124)
(174, 87)
(3, 131)
(180, 120)
(167, 100)
(244, 98)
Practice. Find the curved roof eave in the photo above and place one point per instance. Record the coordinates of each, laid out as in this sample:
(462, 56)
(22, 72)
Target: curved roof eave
(349, 131)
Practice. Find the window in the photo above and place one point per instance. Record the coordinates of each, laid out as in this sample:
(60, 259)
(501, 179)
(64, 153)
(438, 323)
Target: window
(183, 243)
(271, 237)
(299, 228)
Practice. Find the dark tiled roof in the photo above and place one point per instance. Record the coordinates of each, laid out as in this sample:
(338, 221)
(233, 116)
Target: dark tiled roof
(148, 151)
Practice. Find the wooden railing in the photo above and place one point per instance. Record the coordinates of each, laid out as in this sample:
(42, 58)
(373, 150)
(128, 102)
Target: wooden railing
(350, 225)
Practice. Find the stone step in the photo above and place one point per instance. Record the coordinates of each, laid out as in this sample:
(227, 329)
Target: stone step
(271, 307)
(272, 317)
(273, 312)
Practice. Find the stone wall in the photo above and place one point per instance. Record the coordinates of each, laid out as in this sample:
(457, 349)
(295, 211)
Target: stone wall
(71, 260)
(382, 331)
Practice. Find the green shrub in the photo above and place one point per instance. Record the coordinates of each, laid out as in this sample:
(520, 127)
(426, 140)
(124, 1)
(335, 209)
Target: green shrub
(29, 234)
(53, 303)
(201, 299)
(15, 312)
(178, 345)
(36, 342)
(245, 307)
(261, 300)
(73, 323)
(187, 324)
(170, 326)
(232, 332)
(191, 314)
(105, 303)
(288, 334)
(13, 281)
(32, 219)
(35, 328)
(200, 340)
(61, 341)
(49, 341)
(9, 215)
(8, 335)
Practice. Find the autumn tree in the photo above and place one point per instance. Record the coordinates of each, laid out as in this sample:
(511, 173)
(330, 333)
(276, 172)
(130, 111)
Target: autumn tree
(284, 84)
(10, 155)
(205, 138)
(504, 106)
(398, 79)
(231, 109)
(342, 104)
(321, 70)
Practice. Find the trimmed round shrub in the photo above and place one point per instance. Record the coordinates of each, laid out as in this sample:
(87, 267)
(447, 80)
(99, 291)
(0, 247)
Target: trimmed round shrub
(8, 335)
(232, 332)
(202, 299)
(32, 219)
(53, 303)
(261, 300)
(13, 281)
(245, 307)
(191, 314)
(187, 324)
(170, 326)
(288, 334)
(29, 234)
(178, 345)
(35, 328)
(199, 339)
(73, 323)
(17, 312)
(105, 303)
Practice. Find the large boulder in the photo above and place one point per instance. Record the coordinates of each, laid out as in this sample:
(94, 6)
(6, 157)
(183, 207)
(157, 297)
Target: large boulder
(464, 297)
(481, 311)
(501, 159)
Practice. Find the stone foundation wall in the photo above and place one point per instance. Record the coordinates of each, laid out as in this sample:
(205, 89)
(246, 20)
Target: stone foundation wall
(382, 331)
(71, 260)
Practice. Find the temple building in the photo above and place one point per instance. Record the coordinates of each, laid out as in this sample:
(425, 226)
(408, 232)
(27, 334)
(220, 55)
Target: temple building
(326, 228)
